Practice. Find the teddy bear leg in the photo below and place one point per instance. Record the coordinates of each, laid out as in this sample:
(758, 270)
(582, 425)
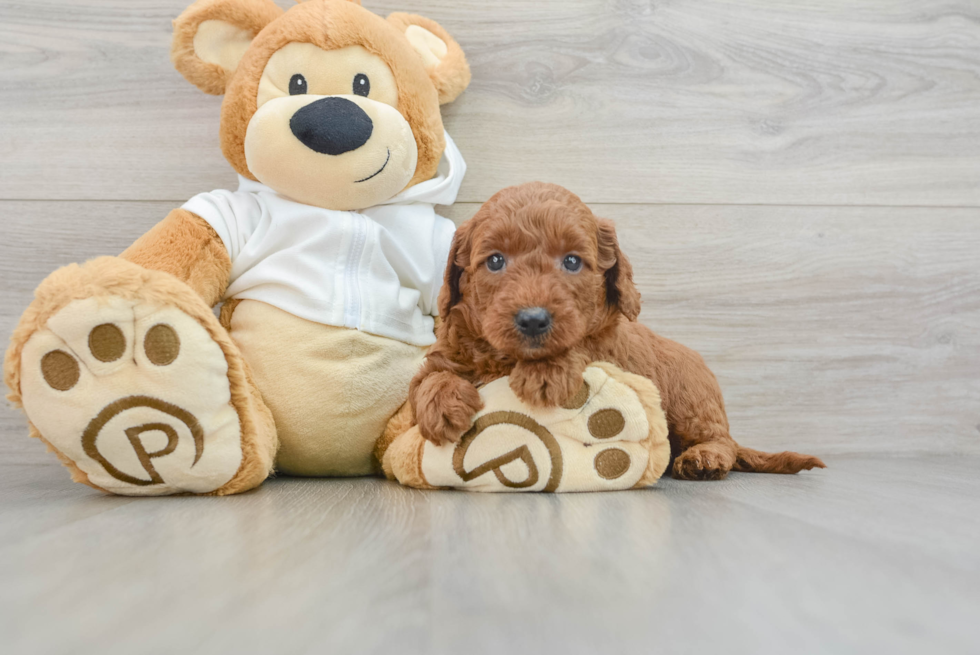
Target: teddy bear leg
(612, 435)
(331, 390)
(128, 376)
(400, 449)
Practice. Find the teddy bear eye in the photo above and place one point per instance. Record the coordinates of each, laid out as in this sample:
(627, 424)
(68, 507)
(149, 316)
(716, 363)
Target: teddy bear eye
(572, 263)
(362, 85)
(496, 262)
(297, 85)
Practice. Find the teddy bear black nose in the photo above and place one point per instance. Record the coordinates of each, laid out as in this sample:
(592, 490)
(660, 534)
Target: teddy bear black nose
(533, 321)
(332, 126)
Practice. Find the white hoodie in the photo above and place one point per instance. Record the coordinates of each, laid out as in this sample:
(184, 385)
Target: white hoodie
(378, 269)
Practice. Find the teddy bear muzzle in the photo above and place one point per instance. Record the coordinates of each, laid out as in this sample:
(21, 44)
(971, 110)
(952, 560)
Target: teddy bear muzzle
(341, 152)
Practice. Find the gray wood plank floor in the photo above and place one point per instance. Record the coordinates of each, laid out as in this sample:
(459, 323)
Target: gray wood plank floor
(798, 185)
(872, 555)
(711, 101)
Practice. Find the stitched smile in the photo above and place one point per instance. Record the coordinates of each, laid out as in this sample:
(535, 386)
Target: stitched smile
(379, 170)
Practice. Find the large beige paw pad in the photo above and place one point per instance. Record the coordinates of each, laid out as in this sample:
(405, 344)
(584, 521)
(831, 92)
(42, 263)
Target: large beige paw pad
(612, 435)
(137, 396)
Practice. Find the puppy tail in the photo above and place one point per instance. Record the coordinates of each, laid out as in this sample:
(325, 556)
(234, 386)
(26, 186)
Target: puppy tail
(756, 461)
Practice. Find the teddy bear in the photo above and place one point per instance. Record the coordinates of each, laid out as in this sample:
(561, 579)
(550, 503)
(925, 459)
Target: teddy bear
(326, 261)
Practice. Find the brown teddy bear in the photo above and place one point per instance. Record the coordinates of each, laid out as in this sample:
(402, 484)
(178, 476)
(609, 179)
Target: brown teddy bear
(328, 258)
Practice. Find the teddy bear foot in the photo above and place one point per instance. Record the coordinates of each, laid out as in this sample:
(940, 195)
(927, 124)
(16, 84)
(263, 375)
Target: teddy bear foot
(128, 376)
(612, 435)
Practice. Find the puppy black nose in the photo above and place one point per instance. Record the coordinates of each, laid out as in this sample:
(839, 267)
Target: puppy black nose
(533, 321)
(332, 126)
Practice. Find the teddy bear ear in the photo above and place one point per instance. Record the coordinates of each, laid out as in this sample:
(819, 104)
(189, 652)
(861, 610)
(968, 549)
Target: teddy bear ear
(441, 55)
(211, 36)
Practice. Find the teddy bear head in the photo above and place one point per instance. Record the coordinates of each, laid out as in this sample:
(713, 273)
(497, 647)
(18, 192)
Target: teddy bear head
(326, 103)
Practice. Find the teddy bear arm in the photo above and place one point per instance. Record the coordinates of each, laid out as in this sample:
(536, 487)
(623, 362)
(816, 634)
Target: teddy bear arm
(185, 246)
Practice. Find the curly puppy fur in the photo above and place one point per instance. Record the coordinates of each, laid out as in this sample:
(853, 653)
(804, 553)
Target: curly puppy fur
(593, 318)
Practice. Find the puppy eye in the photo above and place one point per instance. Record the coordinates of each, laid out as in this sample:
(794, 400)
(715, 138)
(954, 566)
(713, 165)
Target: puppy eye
(362, 85)
(572, 263)
(496, 262)
(297, 85)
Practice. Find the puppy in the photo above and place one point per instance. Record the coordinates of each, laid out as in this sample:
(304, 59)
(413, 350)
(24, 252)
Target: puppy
(536, 288)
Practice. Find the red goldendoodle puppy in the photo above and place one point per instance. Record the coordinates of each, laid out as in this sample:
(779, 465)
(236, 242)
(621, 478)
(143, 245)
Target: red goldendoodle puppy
(536, 288)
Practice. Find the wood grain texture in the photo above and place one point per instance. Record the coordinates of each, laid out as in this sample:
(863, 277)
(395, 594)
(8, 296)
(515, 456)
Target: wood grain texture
(637, 101)
(870, 555)
(831, 329)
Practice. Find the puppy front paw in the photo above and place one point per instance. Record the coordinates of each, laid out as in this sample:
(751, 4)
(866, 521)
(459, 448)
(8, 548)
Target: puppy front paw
(546, 383)
(444, 407)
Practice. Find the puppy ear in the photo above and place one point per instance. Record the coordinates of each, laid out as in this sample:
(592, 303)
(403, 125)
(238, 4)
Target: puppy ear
(459, 259)
(441, 55)
(211, 36)
(620, 290)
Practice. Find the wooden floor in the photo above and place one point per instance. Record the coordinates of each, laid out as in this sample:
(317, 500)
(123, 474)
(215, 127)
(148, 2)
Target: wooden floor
(873, 555)
(798, 186)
